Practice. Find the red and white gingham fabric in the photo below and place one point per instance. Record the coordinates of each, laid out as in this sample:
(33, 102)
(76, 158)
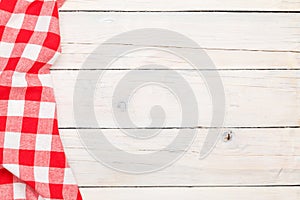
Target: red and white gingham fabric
(32, 161)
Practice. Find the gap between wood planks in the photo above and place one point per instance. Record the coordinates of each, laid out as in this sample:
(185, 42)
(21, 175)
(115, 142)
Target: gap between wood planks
(145, 69)
(176, 11)
(198, 127)
(193, 186)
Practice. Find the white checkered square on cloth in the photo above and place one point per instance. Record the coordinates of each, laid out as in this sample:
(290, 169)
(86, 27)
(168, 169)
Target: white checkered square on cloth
(33, 165)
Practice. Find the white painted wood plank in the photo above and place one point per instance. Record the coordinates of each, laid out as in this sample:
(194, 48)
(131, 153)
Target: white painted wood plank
(251, 157)
(210, 193)
(253, 98)
(162, 5)
(74, 55)
(248, 31)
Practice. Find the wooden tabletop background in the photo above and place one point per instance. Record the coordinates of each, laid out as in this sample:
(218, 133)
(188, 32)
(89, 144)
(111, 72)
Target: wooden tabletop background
(255, 45)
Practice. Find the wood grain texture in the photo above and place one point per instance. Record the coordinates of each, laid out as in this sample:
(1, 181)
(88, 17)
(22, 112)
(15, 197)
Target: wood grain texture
(252, 157)
(177, 5)
(74, 56)
(235, 193)
(254, 46)
(253, 98)
(231, 40)
(229, 31)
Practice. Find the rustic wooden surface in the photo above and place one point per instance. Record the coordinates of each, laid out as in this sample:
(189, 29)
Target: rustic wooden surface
(234, 193)
(255, 46)
(251, 98)
(253, 157)
(176, 5)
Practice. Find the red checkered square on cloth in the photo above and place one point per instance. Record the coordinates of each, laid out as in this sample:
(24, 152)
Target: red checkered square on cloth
(33, 165)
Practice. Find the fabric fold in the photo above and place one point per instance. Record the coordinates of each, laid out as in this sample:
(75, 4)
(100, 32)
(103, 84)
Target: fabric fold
(33, 164)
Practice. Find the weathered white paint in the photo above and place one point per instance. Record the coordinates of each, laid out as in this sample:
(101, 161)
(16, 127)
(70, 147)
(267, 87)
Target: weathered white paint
(253, 98)
(235, 41)
(234, 193)
(178, 5)
(247, 31)
(251, 157)
(74, 56)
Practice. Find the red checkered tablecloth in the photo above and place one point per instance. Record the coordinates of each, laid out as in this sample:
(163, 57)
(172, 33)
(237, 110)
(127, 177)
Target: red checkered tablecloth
(32, 161)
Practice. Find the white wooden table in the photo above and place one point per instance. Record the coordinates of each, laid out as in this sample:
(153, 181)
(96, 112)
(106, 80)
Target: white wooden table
(255, 45)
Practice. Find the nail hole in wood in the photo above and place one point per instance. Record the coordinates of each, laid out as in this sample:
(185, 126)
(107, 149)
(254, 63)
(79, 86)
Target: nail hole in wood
(122, 106)
(227, 136)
